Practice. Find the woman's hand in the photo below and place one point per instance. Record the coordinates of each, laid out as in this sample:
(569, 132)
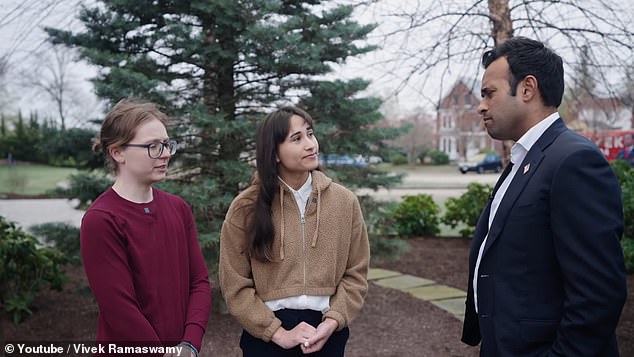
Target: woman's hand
(323, 332)
(298, 335)
(185, 351)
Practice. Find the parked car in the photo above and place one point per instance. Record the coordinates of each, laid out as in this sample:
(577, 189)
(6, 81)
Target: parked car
(481, 163)
(373, 160)
(342, 160)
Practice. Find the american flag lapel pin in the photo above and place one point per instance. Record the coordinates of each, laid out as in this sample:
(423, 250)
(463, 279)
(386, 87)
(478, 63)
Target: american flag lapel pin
(526, 168)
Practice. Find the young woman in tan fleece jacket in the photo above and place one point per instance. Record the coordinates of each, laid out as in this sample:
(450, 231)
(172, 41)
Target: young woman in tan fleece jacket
(294, 250)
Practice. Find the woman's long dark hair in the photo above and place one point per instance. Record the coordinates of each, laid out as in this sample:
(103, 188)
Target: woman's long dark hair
(271, 132)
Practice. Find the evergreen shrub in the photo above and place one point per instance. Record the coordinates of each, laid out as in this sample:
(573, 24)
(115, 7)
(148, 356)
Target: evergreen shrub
(384, 239)
(438, 157)
(63, 236)
(625, 175)
(416, 215)
(398, 159)
(25, 269)
(628, 253)
(85, 187)
(467, 208)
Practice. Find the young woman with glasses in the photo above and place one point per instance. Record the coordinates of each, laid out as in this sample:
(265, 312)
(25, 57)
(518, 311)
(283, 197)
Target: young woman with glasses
(139, 244)
(294, 249)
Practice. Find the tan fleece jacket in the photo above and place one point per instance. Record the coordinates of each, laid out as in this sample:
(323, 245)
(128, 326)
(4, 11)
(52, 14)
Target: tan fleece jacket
(326, 255)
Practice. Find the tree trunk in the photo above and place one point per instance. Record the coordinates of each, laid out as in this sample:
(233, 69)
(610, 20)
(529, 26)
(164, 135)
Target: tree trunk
(500, 16)
(501, 30)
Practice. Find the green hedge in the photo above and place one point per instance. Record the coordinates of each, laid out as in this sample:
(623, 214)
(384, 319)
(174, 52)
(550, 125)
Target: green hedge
(438, 157)
(384, 240)
(25, 269)
(63, 236)
(625, 175)
(86, 187)
(398, 159)
(467, 208)
(416, 216)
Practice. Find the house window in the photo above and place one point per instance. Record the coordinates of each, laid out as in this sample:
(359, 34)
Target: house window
(467, 99)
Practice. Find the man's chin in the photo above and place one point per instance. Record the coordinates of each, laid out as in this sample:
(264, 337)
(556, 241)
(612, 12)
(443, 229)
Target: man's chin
(495, 135)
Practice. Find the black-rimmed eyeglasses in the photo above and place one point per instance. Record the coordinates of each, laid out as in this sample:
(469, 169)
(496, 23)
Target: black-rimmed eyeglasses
(155, 150)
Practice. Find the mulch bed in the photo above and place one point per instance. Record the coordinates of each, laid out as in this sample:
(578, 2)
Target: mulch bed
(392, 323)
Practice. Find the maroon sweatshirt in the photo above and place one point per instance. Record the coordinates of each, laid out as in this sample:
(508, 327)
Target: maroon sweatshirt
(146, 270)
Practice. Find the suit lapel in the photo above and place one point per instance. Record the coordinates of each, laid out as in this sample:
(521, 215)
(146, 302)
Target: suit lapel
(525, 171)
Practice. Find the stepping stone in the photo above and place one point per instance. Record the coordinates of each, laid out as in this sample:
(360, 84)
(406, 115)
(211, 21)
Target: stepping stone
(378, 273)
(453, 306)
(459, 317)
(404, 282)
(436, 292)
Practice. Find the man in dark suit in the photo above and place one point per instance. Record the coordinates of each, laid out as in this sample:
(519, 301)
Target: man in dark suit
(546, 276)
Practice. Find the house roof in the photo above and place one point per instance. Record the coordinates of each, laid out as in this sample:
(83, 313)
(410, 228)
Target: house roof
(457, 96)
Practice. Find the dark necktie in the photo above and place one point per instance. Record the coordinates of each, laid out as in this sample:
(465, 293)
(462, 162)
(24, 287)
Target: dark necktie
(505, 173)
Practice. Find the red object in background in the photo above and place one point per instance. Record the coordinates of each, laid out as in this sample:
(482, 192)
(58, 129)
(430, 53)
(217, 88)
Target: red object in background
(609, 141)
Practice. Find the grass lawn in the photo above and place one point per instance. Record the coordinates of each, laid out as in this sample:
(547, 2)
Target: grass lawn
(31, 179)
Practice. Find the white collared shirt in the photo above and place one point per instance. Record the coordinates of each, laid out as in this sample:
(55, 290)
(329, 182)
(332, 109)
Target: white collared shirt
(303, 194)
(301, 302)
(518, 153)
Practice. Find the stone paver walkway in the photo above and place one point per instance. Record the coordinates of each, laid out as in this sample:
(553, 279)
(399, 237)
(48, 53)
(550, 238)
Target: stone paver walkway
(447, 298)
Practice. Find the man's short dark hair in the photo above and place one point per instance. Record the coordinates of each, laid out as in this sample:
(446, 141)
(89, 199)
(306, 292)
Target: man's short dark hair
(529, 57)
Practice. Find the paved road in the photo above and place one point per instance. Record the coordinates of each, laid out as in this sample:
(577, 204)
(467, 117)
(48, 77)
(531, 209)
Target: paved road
(422, 179)
(30, 212)
(395, 194)
(440, 185)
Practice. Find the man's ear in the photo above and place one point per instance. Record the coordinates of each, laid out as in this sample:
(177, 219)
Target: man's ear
(529, 88)
(117, 154)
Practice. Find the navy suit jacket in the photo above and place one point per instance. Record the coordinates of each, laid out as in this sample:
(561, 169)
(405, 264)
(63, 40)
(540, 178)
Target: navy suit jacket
(552, 277)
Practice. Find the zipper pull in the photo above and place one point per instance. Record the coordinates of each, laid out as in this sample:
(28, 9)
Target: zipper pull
(302, 220)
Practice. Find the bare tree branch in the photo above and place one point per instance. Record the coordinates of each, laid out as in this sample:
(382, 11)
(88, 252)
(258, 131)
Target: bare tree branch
(433, 38)
(52, 78)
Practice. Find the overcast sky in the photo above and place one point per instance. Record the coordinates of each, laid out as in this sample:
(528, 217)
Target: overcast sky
(22, 37)
(21, 22)
(24, 41)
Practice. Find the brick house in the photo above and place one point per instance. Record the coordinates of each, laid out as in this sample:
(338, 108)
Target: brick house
(589, 113)
(460, 132)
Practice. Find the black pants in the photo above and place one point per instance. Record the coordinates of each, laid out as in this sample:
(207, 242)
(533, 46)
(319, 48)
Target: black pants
(255, 347)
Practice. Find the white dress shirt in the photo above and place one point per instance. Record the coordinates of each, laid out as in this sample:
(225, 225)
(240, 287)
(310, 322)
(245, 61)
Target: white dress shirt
(518, 153)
